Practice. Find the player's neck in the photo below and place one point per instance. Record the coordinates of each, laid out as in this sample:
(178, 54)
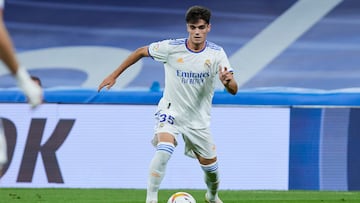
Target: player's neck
(195, 47)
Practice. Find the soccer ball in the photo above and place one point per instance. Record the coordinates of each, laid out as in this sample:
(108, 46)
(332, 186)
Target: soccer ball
(181, 197)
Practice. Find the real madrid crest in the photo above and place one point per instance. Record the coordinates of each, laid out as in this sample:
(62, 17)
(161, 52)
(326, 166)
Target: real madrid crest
(207, 63)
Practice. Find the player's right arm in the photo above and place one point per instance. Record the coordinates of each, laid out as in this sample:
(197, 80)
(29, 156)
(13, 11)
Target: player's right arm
(135, 56)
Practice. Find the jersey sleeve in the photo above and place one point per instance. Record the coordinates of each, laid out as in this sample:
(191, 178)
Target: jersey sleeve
(159, 50)
(223, 61)
(2, 4)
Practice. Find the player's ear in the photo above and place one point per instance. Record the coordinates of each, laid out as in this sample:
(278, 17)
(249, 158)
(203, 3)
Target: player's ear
(209, 27)
(187, 28)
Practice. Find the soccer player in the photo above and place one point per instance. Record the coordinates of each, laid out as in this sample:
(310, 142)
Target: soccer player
(192, 66)
(32, 91)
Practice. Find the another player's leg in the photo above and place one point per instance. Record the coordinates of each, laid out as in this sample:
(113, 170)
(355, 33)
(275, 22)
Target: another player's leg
(3, 148)
(164, 150)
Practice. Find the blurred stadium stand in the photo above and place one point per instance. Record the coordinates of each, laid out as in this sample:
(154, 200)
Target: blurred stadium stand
(325, 57)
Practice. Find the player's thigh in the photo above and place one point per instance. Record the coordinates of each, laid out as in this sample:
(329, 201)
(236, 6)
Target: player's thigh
(165, 132)
(165, 137)
(205, 161)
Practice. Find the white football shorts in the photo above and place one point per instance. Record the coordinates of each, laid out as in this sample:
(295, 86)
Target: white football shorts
(197, 141)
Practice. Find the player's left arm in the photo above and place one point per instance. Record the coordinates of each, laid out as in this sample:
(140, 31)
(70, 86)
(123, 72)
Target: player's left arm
(227, 79)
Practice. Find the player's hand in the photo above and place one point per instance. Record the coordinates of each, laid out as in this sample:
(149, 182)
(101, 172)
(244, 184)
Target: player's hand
(34, 94)
(32, 91)
(225, 76)
(108, 82)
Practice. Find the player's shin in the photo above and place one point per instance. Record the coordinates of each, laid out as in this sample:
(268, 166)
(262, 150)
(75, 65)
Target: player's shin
(157, 170)
(212, 179)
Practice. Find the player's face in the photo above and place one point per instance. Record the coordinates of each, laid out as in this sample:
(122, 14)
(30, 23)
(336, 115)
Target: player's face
(198, 32)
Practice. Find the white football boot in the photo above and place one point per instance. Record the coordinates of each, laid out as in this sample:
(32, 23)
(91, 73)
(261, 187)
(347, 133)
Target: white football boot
(217, 199)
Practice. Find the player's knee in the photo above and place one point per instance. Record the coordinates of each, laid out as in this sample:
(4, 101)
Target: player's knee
(166, 137)
(204, 161)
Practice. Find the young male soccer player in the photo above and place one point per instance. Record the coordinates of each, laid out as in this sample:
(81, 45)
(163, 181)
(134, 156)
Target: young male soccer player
(32, 91)
(191, 68)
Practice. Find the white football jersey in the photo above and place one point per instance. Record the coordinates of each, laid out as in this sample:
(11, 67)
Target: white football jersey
(189, 79)
(1, 4)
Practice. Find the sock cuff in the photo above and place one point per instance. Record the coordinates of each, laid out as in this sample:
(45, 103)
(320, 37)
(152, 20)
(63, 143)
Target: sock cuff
(165, 147)
(210, 167)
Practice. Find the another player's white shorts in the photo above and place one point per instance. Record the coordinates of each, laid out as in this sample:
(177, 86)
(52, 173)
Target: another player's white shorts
(199, 141)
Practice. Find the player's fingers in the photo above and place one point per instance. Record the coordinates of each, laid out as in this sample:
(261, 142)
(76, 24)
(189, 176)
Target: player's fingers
(220, 68)
(100, 87)
(109, 85)
(103, 84)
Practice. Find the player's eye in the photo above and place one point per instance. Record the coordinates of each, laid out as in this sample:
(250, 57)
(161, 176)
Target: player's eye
(202, 27)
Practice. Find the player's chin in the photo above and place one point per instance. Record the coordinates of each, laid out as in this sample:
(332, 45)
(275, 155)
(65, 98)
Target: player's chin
(198, 40)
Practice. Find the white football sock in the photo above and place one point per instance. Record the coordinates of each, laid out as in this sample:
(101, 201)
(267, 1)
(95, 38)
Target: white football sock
(158, 164)
(212, 179)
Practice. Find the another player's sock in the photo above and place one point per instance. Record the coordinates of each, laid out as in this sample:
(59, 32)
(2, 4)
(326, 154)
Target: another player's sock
(158, 164)
(211, 179)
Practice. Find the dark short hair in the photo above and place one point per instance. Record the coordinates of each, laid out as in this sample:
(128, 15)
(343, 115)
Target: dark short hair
(196, 13)
(35, 78)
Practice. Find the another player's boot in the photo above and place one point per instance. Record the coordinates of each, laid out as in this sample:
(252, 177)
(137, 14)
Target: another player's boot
(216, 200)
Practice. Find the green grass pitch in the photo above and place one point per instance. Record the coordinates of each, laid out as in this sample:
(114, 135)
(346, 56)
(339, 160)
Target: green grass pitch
(61, 195)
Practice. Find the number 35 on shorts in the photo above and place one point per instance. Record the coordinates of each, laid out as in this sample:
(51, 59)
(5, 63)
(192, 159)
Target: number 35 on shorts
(163, 117)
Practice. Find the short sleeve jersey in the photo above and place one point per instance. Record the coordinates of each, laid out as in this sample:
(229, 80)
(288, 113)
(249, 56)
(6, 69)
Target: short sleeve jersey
(1, 4)
(189, 79)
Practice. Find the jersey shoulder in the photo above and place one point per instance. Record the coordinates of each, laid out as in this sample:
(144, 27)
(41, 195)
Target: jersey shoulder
(213, 46)
(177, 41)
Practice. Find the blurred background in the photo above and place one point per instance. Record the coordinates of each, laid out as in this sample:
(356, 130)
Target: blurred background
(295, 60)
(77, 43)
